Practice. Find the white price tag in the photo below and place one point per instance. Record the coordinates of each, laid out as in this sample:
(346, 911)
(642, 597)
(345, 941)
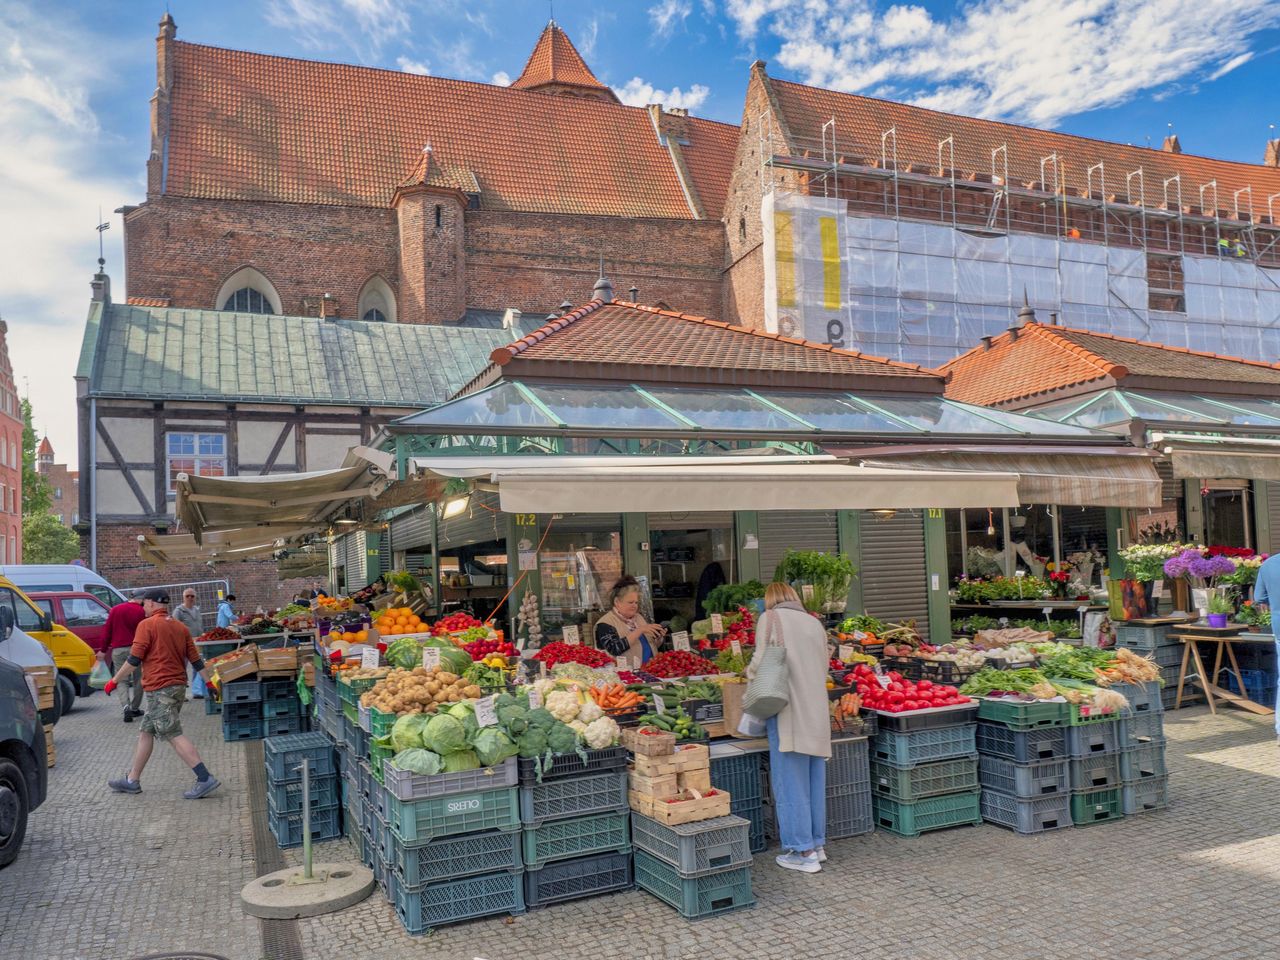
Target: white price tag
(622, 663)
(1046, 611)
(859, 635)
(736, 647)
(659, 707)
(486, 713)
(1020, 574)
(884, 680)
(680, 640)
(571, 635)
(846, 652)
(806, 591)
(1083, 608)
(535, 698)
(717, 623)
(430, 657)
(369, 658)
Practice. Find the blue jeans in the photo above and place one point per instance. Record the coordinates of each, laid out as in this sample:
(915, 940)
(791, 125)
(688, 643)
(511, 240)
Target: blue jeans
(799, 784)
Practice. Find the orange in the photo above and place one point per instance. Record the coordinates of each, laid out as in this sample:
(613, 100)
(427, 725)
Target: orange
(362, 636)
(335, 634)
(349, 636)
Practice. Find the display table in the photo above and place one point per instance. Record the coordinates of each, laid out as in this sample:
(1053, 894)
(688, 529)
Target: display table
(1225, 638)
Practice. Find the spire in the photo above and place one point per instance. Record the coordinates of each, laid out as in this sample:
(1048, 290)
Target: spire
(556, 67)
(45, 449)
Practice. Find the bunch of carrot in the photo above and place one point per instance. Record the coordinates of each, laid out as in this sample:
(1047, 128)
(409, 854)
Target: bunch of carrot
(616, 697)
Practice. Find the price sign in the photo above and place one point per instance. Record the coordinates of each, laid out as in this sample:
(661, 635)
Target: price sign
(846, 652)
(622, 663)
(680, 640)
(859, 635)
(736, 647)
(659, 707)
(806, 591)
(430, 657)
(717, 623)
(486, 713)
(369, 658)
(570, 634)
(1046, 611)
(883, 679)
(535, 698)
(542, 668)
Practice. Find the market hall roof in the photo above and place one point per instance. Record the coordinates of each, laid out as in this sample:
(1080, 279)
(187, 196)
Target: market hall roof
(249, 126)
(214, 355)
(619, 340)
(1038, 363)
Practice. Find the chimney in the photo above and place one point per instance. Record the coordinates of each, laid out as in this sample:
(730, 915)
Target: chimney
(603, 290)
(1171, 144)
(1053, 319)
(1272, 157)
(564, 308)
(986, 344)
(635, 294)
(101, 286)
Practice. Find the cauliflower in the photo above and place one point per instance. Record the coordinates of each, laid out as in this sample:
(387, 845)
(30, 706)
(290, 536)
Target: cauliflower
(563, 705)
(544, 687)
(590, 712)
(578, 726)
(600, 733)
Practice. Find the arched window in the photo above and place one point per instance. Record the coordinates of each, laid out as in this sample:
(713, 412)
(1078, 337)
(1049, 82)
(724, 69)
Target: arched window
(377, 303)
(248, 291)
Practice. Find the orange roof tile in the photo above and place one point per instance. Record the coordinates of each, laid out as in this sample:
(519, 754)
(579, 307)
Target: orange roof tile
(860, 121)
(255, 127)
(1043, 360)
(45, 449)
(556, 61)
(148, 301)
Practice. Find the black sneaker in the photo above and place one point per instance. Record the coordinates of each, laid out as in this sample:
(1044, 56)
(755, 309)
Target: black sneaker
(128, 717)
(137, 713)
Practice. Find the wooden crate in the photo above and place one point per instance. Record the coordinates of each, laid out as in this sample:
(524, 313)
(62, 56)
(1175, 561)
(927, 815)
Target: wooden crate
(46, 679)
(687, 807)
(243, 664)
(699, 780)
(648, 744)
(278, 661)
(309, 673)
(658, 787)
(48, 743)
(690, 757)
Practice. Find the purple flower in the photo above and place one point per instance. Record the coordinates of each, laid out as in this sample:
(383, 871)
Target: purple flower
(1206, 568)
(1179, 565)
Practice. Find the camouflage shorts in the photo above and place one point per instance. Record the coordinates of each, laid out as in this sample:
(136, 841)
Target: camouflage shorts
(163, 706)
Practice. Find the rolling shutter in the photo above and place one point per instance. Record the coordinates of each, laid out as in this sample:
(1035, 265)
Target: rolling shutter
(894, 577)
(411, 531)
(704, 520)
(780, 530)
(1271, 504)
(482, 522)
(357, 561)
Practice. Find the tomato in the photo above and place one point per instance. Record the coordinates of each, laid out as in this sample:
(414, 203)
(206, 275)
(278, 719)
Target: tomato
(895, 687)
(910, 705)
(894, 708)
(962, 700)
(896, 698)
(925, 684)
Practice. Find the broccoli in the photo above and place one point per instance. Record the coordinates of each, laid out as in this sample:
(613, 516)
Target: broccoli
(514, 718)
(532, 743)
(503, 700)
(564, 739)
(541, 719)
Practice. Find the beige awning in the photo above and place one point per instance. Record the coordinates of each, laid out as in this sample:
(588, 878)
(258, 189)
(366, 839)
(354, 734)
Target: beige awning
(1112, 478)
(164, 549)
(1195, 457)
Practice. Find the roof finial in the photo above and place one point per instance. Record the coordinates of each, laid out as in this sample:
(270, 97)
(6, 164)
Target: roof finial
(603, 290)
(102, 227)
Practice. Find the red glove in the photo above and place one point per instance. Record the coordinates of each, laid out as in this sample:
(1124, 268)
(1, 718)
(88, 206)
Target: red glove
(111, 685)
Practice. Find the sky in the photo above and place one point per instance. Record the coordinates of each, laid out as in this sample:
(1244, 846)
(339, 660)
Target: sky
(76, 79)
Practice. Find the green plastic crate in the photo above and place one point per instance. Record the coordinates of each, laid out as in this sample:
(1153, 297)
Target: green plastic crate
(1024, 715)
(352, 713)
(576, 837)
(350, 691)
(454, 814)
(380, 723)
(439, 904)
(1097, 806)
(924, 779)
(451, 858)
(377, 755)
(705, 896)
(1084, 714)
(933, 813)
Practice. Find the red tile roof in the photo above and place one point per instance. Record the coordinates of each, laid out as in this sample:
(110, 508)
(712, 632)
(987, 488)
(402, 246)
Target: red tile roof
(255, 127)
(45, 449)
(556, 61)
(621, 340)
(860, 122)
(1043, 360)
(148, 301)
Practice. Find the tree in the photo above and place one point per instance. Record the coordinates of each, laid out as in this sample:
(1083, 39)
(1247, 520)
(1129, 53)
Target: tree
(46, 540)
(37, 494)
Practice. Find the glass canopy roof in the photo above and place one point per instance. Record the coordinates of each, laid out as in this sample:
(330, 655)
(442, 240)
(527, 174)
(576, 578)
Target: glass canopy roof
(514, 407)
(1115, 406)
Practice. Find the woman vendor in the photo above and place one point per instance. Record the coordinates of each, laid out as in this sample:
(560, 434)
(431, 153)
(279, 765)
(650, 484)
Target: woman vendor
(622, 632)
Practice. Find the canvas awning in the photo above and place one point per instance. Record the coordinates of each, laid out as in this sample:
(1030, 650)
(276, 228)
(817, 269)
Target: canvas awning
(1118, 477)
(634, 484)
(163, 549)
(1195, 457)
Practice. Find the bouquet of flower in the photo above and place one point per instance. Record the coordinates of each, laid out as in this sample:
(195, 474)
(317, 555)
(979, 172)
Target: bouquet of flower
(1198, 569)
(1060, 581)
(1245, 573)
(1145, 561)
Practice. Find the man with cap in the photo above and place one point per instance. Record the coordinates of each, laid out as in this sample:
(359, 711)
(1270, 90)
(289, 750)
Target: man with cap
(163, 647)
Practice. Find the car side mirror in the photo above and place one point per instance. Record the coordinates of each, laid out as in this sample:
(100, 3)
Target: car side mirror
(6, 622)
(46, 623)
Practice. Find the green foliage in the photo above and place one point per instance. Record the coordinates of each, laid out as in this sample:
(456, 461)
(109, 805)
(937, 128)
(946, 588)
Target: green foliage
(828, 573)
(37, 494)
(46, 540)
(728, 597)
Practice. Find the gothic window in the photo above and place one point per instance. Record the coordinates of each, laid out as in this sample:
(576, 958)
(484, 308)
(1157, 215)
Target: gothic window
(377, 302)
(248, 291)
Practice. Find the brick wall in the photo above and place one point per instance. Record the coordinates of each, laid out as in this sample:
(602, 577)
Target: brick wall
(430, 235)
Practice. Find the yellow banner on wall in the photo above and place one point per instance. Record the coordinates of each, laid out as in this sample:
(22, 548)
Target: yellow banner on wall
(784, 244)
(830, 263)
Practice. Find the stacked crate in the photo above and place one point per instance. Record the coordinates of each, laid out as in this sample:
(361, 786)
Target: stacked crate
(575, 839)
(256, 709)
(1140, 730)
(740, 773)
(849, 789)
(283, 757)
(326, 707)
(1093, 756)
(1153, 641)
(1023, 765)
(924, 770)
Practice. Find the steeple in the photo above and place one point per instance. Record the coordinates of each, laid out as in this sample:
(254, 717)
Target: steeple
(556, 67)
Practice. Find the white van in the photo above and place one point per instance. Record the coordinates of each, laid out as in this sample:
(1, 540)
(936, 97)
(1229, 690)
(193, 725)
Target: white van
(60, 577)
(26, 651)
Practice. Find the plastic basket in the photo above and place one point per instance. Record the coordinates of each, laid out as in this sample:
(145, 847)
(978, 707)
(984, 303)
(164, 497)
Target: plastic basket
(407, 786)
(740, 775)
(242, 691)
(946, 671)
(1098, 772)
(707, 896)
(1143, 638)
(211, 706)
(927, 719)
(1084, 714)
(924, 779)
(284, 726)
(573, 797)
(279, 690)
(272, 709)
(287, 797)
(1023, 714)
(284, 755)
(935, 813)
(287, 827)
(1093, 739)
(1144, 762)
(380, 723)
(571, 765)
(242, 711)
(1142, 697)
(233, 730)
(566, 839)
(849, 813)
(440, 904)
(848, 766)
(1023, 815)
(921, 746)
(1145, 796)
(377, 756)
(450, 858)
(454, 814)
(1022, 746)
(1096, 806)
(1140, 728)
(1024, 780)
(754, 813)
(1171, 656)
(695, 849)
(574, 879)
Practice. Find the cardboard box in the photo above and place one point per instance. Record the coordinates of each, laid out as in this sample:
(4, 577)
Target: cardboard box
(657, 787)
(284, 658)
(687, 807)
(48, 743)
(46, 678)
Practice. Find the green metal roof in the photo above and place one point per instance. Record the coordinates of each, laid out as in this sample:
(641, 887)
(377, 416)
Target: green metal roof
(213, 355)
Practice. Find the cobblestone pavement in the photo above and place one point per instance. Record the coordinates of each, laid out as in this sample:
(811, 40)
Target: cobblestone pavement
(118, 877)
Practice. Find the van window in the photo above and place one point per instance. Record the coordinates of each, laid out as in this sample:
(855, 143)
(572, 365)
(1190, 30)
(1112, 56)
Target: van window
(103, 593)
(26, 617)
(47, 607)
(47, 587)
(82, 612)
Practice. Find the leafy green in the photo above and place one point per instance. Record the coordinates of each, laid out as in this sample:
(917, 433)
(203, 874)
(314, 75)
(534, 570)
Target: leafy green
(988, 679)
(406, 733)
(460, 760)
(493, 746)
(728, 597)
(417, 760)
(444, 734)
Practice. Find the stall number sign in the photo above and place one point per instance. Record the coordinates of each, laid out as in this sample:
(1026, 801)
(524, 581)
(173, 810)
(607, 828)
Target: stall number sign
(680, 640)
(369, 657)
(535, 698)
(571, 636)
(430, 657)
(736, 647)
(659, 707)
(846, 652)
(717, 624)
(486, 713)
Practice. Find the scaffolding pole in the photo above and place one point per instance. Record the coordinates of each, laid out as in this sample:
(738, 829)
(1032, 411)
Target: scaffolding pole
(834, 158)
(948, 172)
(1176, 206)
(1052, 160)
(1002, 194)
(1217, 223)
(885, 156)
(1102, 182)
(1141, 177)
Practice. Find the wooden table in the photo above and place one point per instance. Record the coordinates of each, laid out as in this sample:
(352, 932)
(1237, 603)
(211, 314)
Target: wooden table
(1224, 638)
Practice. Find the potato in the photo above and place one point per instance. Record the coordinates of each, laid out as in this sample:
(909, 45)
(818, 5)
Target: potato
(445, 677)
(472, 692)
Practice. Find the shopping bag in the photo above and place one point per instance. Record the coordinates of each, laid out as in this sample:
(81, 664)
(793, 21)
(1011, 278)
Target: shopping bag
(99, 675)
(769, 690)
(751, 726)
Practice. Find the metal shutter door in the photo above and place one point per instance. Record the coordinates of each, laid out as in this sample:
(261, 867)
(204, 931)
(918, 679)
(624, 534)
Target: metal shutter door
(691, 521)
(357, 561)
(1271, 504)
(411, 530)
(482, 523)
(895, 580)
(780, 530)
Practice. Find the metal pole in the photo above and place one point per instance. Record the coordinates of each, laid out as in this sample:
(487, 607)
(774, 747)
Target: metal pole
(306, 819)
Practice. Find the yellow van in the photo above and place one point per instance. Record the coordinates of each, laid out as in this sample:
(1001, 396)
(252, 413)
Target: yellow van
(74, 657)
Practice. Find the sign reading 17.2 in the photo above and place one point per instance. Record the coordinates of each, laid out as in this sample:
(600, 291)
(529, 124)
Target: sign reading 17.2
(526, 519)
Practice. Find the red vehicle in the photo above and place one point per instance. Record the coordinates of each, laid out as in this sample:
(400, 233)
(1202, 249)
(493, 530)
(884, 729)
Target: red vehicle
(81, 613)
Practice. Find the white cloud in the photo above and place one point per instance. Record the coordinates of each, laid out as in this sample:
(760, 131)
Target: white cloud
(1033, 61)
(363, 25)
(639, 93)
(413, 66)
(587, 42)
(667, 15)
(51, 186)
(501, 79)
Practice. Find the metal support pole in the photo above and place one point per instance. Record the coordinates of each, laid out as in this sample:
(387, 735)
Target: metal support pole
(306, 819)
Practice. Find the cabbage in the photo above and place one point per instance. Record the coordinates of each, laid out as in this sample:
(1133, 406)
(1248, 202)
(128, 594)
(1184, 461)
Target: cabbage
(417, 760)
(407, 731)
(493, 746)
(460, 760)
(444, 734)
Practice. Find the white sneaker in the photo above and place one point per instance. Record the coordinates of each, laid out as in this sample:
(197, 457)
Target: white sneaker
(798, 861)
(822, 854)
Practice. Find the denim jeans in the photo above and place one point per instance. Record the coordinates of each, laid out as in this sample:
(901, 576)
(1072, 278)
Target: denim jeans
(799, 784)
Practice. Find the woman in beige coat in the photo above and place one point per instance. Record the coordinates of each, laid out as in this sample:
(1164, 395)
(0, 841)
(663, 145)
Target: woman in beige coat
(800, 735)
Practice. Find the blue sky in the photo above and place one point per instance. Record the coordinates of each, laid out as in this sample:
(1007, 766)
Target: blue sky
(76, 78)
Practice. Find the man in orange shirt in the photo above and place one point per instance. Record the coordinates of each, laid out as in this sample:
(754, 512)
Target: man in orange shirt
(163, 646)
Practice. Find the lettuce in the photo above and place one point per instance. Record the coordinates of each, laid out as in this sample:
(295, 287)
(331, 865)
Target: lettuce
(460, 760)
(493, 746)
